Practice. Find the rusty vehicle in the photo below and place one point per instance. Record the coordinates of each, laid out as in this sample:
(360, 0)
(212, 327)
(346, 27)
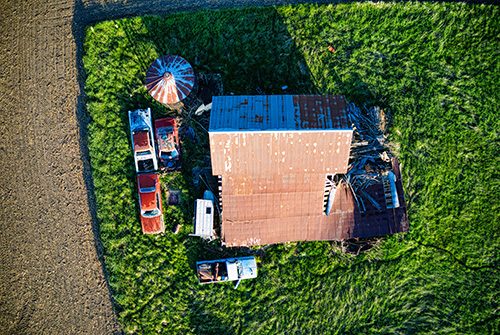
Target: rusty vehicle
(224, 270)
(141, 131)
(167, 140)
(148, 186)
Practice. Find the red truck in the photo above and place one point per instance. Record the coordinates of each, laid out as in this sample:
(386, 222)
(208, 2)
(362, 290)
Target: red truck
(167, 140)
(148, 186)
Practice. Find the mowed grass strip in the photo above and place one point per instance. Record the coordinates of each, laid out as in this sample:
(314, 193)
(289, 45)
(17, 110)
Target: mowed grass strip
(436, 67)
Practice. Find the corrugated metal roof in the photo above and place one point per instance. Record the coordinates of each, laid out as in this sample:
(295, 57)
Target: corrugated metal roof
(263, 135)
(265, 218)
(274, 183)
(278, 112)
(271, 205)
(296, 227)
(271, 196)
(294, 152)
(273, 153)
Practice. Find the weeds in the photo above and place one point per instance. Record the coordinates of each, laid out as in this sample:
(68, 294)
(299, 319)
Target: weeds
(435, 66)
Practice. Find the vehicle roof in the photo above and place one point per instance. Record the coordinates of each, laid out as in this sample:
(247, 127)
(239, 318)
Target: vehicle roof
(147, 180)
(148, 201)
(141, 141)
(232, 271)
(249, 267)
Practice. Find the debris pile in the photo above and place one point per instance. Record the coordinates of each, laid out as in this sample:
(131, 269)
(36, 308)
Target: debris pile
(358, 246)
(370, 159)
(208, 86)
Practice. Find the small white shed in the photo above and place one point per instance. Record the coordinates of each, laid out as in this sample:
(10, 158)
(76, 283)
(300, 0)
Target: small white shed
(204, 218)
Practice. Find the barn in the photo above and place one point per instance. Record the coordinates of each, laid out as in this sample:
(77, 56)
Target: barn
(276, 157)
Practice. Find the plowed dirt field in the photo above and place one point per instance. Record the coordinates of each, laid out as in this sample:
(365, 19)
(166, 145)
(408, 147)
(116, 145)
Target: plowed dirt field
(51, 278)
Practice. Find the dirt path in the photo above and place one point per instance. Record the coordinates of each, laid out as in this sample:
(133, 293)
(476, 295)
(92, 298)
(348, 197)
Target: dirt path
(52, 279)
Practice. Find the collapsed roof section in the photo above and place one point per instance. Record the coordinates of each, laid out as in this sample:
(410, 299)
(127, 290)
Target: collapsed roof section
(266, 218)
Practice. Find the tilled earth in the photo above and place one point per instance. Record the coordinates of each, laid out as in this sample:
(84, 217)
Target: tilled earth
(52, 275)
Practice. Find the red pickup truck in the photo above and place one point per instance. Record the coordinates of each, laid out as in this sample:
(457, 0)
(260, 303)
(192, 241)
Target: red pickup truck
(167, 139)
(150, 201)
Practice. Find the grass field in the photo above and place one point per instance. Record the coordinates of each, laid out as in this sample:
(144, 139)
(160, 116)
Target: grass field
(435, 66)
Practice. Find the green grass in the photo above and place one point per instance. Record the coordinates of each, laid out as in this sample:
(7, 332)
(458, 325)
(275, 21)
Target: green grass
(435, 66)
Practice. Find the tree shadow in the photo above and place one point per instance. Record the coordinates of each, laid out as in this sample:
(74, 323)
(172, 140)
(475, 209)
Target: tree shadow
(83, 118)
(253, 53)
(233, 51)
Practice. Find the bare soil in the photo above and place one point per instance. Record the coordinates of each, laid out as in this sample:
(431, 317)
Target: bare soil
(51, 277)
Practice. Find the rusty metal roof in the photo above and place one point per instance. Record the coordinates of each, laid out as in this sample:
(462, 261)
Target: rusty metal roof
(271, 196)
(297, 222)
(288, 134)
(278, 112)
(170, 79)
(273, 154)
(263, 184)
(265, 153)
(263, 135)
(255, 216)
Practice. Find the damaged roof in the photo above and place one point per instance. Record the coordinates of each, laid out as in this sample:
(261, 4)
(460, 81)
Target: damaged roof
(265, 135)
(278, 112)
(277, 156)
(266, 217)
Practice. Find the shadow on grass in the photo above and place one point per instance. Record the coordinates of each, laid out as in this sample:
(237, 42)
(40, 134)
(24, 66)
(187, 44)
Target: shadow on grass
(83, 120)
(254, 54)
(251, 50)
